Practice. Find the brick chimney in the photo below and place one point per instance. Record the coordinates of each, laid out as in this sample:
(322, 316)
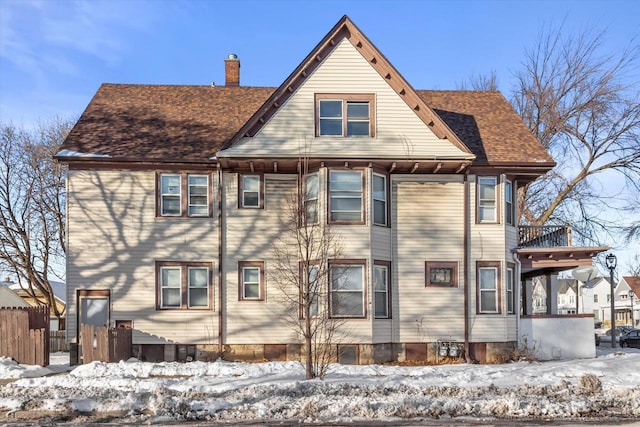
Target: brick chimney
(232, 70)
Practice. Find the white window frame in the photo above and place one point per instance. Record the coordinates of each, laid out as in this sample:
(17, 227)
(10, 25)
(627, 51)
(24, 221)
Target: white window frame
(189, 187)
(163, 195)
(163, 286)
(245, 283)
(509, 212)
(489, 204)
(348, 119)
(307, 201)
(384, 272)
(245, 191)
(321, 118)
(345, 194)
(189, 286)
(378, 200)
(510, 279)
(493, 290)
(335, 291)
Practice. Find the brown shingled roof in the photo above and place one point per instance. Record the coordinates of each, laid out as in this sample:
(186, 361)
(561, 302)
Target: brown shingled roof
(161, 122)
(192, 123)
(634, 284)
(488, 125)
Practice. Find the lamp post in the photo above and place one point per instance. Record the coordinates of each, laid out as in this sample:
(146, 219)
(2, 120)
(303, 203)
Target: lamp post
(611, 265)
(631, 295)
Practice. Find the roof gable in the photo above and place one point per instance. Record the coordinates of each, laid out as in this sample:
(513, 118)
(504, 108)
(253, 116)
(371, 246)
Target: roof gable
(345, 29)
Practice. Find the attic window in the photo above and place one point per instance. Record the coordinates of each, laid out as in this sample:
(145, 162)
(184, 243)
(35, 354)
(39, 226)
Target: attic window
(345, 115)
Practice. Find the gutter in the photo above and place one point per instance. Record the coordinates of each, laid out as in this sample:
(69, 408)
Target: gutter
(220, 261)
(466, 265)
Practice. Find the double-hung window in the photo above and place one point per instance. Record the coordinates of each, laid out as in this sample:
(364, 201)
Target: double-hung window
(310, 199)
(345, 196)
(347, 291)
(345, 115)
(509, 212)
(313, 289)
(488, 287)
(184, 194)
(251, 191)
(381, 300)
(170, 195)
(487, 199)
(198, 195)
(379, 199)
(510, 291)
(184, 285)
(251, 281)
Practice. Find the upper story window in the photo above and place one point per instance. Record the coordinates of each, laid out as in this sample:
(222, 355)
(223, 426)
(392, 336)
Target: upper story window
(310, 199)
(184, 285)
(441, 273)
(345, 196)
(486, 199)
(509, 211)
(347, 115)
(250, 192)
(379, 199)
(184, 194)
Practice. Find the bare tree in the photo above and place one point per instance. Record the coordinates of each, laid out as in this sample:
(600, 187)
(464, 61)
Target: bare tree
(584, 106)
(485, 82)
(32, 207)
(301, 271)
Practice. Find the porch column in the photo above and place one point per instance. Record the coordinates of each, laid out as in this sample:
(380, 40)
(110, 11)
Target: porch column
(527, 297)
(552, 293)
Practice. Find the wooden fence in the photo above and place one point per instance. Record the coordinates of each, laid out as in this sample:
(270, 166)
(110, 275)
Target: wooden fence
(105, 344)
(24, 334)
(58, 341)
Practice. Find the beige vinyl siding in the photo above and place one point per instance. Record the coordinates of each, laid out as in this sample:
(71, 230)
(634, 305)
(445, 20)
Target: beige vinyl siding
(399, 132)
(248, 235)
(488, 243)
(114, 242)
(428, 226)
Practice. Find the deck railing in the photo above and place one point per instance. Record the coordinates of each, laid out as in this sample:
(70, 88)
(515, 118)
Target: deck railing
(544, 236)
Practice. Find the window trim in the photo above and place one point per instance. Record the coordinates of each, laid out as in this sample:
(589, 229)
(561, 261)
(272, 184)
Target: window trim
(241, 191)
(511, 299)
(363, 201)
(509, 203)
(251, 264)
(428, 265)
(184, 193)
(494, 265)
(346, 98)
(496, 202)
(387, 266)
(374, 200)
(184, 284)
(349, 263)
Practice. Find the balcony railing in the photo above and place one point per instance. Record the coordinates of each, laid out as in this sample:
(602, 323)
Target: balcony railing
(544, 236)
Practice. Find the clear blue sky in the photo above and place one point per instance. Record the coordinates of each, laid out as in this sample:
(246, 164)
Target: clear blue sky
(54, 54)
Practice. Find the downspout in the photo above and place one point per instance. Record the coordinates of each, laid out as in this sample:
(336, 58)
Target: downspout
(220, 261)
(465, 284)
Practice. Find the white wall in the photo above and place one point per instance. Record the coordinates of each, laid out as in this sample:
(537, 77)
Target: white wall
(559, 337)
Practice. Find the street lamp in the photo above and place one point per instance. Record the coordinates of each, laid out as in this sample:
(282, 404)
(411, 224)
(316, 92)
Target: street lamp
(611, 265)
(631, 295)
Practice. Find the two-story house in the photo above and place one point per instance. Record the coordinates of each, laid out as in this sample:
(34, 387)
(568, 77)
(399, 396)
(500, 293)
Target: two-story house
(175, 195)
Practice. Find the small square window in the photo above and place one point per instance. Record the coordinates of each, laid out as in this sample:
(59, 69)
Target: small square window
(439, 273)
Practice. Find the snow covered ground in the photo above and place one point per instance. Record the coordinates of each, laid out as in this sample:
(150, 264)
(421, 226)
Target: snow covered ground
(604, 387)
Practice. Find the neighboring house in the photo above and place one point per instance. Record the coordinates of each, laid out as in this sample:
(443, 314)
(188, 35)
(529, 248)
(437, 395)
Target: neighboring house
(9, 299)
(601, 295)
(567, 296)
(38, 299)
(175, 195)
(627, 302)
